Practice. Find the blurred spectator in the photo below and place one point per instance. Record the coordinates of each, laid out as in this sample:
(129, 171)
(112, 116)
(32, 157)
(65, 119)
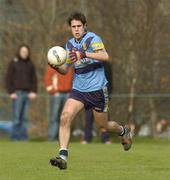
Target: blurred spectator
(161, 125)
(88, 129)
(58, 86)
(145, 130)
(89, 119)
(108, 73)
(21, 84)
(163, 128)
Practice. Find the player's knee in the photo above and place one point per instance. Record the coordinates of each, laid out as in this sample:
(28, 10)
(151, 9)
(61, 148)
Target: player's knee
(65, 119)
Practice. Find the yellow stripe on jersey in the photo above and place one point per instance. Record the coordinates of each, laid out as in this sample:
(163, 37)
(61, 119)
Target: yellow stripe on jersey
(97, 46)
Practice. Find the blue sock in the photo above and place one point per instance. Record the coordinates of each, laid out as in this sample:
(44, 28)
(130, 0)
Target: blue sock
(63, 153)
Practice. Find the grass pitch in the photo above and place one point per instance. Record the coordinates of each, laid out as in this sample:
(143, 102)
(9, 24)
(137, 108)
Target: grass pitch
(148, 160)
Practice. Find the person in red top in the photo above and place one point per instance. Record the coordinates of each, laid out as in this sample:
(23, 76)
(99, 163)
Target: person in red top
(58, 86)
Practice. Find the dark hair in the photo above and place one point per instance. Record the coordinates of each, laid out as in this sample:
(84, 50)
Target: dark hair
(19, 48)
(77, 16)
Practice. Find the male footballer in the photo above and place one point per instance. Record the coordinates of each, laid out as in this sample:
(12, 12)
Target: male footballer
(86, 53)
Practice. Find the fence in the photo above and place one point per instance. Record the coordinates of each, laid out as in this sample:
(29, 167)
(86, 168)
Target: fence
(149, 114)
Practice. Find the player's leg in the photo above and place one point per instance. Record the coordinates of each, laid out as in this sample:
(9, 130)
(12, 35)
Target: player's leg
(71, 108)
(101, 119)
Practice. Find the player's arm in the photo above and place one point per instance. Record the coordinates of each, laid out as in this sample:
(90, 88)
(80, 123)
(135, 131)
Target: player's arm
(63, 69)
(99, 55)
(99, 52)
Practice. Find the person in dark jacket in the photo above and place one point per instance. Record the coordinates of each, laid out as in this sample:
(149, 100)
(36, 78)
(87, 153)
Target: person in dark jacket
(21, 84)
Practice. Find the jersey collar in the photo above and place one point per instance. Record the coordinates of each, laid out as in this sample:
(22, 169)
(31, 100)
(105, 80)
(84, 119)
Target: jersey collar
(78, 42)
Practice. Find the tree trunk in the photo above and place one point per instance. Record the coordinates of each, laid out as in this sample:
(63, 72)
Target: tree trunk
(153, 117)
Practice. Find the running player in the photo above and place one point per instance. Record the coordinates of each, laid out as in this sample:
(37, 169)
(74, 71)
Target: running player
(86, 52)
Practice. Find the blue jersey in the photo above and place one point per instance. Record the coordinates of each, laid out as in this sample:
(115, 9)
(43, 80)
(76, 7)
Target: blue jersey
(89, 73)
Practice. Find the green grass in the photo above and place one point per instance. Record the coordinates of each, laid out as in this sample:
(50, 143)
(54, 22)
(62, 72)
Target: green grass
(148, 159)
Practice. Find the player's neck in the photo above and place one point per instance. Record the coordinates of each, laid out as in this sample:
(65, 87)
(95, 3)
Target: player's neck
(79, 39)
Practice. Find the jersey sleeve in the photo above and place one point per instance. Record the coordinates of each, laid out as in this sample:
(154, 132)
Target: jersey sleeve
(68, 62)
(97, 44)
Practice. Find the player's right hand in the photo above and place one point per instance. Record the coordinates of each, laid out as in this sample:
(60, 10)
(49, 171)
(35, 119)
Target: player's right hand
(13, 96)
(76, 55)
(73, 56)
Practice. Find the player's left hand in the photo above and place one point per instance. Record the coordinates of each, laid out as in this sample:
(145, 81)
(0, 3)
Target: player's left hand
(76, 55)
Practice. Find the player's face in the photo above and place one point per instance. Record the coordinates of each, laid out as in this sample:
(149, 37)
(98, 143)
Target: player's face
(24, 53)
(77, 29)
